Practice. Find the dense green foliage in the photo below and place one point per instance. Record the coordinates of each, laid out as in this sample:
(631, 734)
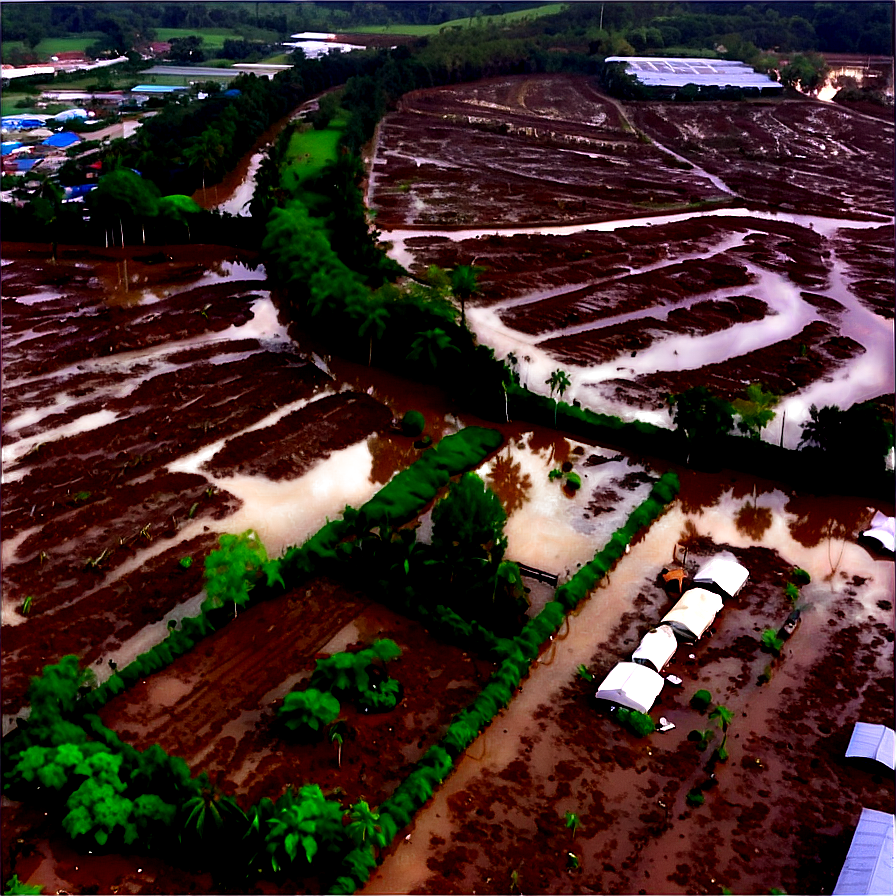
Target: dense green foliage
(309, 710)
(640, 724)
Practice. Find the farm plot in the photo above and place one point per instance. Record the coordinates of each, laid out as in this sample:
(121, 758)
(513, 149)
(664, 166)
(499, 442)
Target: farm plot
(774, 290)
(553, 752)
(518, 151)
(136, 428)
(811, 157)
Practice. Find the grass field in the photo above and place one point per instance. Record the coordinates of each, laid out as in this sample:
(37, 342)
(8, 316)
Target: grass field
(423, 30)
(309, 151)
(51, 45)
(212, 38)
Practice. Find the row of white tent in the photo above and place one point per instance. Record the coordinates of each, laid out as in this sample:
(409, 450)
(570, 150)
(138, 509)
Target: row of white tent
(638, 683)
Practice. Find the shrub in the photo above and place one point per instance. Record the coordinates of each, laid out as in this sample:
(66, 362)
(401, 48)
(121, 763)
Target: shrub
(640, 724)
(413, 423)
(800, 577)
(574, 481)
(380, 697)
(792, 592)
(308, 710)
(695, 798)
(771, 642)
(701, 700)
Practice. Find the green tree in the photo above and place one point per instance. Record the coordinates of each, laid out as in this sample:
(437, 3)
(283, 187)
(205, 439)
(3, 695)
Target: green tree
(464, 285)
(755, 411)
(699, 415)
(46, 207)
(124, 195)
(431, 344)
(206, 152)
(302, 827)
(308, 710)
(234, 569)
(364, 828)
(559, 382)
(374, 326)
(16, 887)
(469, 523)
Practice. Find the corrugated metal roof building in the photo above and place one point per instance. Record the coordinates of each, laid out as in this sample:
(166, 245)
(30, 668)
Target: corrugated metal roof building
(661, 71)
(873, 742)
(868, 868)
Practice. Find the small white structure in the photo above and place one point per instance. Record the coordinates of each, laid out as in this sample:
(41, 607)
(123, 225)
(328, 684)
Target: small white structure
(656, 647)
(631, 685)
(868, 868)
(723, 573)
(883, 530)
(693, 613)
(873, 742)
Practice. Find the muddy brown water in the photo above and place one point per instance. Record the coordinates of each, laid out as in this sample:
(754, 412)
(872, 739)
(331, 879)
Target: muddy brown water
(551, 751)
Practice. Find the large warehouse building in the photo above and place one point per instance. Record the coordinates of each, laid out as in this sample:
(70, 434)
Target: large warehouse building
(670, 73)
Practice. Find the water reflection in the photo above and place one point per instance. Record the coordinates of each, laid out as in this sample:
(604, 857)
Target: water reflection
(509, 483)
(815, 520)
(390, 454)
(753, 521)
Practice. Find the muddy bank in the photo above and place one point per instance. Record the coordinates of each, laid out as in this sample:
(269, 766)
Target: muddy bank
(101, 398)
(518, 150)
(784, 367)
(638, 833)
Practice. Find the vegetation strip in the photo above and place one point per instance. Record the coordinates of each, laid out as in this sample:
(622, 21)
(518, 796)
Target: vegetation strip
(436, 764)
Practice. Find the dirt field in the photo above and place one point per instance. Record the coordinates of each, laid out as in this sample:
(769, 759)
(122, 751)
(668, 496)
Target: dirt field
(803, 180)
(778, 813)
(133, 381)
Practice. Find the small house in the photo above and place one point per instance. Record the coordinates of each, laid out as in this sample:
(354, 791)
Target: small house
(632, 685)
(656, 648)
(723, 575)
(693, 614)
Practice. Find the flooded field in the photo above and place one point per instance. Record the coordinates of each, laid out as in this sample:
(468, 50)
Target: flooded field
(789, 285)
(152, 401)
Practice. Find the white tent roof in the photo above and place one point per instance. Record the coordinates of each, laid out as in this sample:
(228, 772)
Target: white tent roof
(873, 742)
(882, 530)
(868, 868)
(657, 647)
(695, 610)
(728, 574)
(631, 685)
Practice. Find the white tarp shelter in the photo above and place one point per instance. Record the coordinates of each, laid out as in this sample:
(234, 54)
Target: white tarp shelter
(631, 685)
(868, 868)
(657, 647)
(693, 613)
(873, 742)
(724, 573)
(883, 530)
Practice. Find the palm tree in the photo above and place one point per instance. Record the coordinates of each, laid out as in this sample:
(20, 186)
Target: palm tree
(375, 326)
(337, 736)
(206, 152)
(210, 811)
(431, 342)
(824, 428)
(364, 825)
(464, 285)
(559, 381)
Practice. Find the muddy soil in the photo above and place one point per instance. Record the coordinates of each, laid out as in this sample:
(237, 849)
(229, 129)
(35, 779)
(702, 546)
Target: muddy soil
(520, 150)
(796, 155)
(86, 516)
(784, 367)
(778, 813)
(581, 299)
